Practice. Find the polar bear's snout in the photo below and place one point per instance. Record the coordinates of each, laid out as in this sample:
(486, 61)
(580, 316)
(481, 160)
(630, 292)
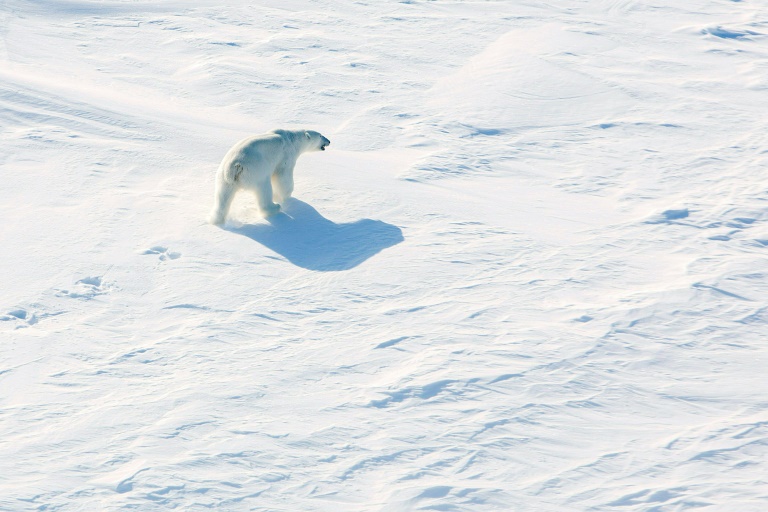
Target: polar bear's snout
(316, 141)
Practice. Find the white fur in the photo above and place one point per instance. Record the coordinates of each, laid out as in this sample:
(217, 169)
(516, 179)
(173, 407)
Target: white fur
(263, 164)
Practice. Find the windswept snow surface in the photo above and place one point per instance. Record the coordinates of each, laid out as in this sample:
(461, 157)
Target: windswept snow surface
(529, 274)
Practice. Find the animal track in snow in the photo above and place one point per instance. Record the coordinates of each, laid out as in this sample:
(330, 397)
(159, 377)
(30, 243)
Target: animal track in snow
(163, 253)
(17, 314)
(20, 316)
(86, 288)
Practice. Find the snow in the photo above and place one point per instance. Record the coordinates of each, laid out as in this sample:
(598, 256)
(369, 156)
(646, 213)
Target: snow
(528, 274)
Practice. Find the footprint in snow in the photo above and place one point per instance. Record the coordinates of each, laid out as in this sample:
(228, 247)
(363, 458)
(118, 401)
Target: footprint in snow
(86, 288)
(21, 317)
(162, 252)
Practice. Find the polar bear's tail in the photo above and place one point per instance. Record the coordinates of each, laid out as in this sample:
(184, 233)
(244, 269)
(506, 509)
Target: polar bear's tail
(232, 171)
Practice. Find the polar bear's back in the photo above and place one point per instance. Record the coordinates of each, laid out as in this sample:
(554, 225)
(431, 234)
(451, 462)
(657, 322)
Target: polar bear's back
(258, 154)
(256, 148)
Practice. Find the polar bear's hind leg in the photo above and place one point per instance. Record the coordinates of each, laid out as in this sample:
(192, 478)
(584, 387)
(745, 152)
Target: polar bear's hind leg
(225, 192)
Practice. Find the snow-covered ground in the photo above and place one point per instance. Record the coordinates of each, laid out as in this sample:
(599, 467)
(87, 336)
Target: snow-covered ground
(529, 274)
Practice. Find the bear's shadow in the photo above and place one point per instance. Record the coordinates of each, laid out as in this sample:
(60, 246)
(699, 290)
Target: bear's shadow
(307, 239)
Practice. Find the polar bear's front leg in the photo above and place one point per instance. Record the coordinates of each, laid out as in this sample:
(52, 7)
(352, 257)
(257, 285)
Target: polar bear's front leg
(264, 198)
(282, 183)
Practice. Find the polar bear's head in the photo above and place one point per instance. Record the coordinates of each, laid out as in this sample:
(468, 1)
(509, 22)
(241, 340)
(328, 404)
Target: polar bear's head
(315, 141)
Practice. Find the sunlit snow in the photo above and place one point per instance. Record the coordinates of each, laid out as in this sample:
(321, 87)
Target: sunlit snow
(529, 274)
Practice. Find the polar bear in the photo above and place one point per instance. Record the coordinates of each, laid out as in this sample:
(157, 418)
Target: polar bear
(264, 164)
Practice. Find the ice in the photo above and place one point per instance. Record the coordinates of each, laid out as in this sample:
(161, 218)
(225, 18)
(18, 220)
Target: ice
(529, 274)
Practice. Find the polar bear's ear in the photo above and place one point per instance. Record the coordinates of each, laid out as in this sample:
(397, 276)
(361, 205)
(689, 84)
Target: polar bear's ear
(307, 135)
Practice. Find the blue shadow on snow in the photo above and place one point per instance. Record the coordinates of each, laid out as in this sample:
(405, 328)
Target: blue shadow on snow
(308, 240)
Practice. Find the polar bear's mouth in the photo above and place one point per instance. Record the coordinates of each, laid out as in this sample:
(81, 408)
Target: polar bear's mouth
(322, 147)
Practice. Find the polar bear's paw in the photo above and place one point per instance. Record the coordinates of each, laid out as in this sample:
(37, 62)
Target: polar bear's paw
(216, 218)
(270, 210)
